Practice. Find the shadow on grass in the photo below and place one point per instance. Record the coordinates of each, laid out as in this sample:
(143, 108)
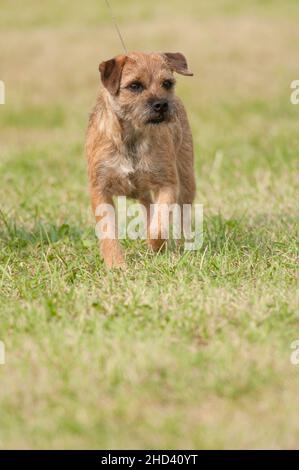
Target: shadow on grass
(219, 233)
(17, 235)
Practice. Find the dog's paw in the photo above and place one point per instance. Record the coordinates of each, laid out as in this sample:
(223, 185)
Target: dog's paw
(158, 244)
(115, 260)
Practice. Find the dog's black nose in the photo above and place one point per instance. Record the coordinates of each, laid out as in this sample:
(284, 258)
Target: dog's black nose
(160, 106)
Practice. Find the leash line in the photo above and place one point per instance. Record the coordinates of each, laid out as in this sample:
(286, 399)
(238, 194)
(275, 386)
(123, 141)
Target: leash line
(116, 25)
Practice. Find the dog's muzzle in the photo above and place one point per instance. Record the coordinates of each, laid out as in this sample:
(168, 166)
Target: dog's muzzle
(159, 112)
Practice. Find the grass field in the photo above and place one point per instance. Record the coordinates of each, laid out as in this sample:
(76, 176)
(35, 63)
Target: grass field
(178, 351)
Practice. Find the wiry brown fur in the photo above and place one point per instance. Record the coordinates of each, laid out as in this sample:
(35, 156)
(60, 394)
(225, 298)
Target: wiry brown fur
(130, 156)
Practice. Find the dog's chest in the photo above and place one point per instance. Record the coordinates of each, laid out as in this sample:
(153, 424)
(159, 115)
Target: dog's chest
(130, 169)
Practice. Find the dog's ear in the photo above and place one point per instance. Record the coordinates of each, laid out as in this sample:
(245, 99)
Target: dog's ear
(111, 73)
(177, 62)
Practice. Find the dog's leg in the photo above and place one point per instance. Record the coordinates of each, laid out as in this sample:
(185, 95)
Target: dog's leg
(110, 248)
(146, 200)
(187, 183)
(160, 217)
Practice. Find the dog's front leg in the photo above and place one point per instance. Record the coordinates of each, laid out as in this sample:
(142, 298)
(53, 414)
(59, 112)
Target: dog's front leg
(161, 216)
(106, 229)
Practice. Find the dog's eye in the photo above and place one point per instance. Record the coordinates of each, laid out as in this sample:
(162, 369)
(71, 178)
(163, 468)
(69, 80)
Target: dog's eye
(167, 84)
(135, 86)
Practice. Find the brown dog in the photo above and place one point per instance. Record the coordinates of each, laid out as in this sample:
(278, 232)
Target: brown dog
(139, 142)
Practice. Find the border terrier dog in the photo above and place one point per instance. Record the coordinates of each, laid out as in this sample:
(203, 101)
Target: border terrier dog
(139, 142)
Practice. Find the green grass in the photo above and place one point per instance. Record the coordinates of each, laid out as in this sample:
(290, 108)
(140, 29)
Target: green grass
(35, 117)
(179, 350)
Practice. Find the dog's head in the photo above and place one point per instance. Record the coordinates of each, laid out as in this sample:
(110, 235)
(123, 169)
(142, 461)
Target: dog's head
(141, 86)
